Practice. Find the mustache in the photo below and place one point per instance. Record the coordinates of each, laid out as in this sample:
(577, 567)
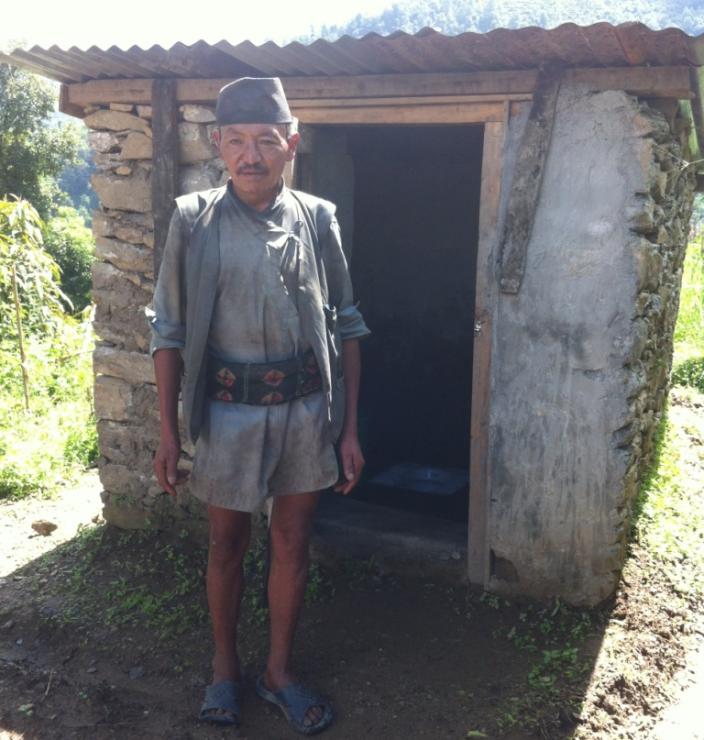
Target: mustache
(253, 169)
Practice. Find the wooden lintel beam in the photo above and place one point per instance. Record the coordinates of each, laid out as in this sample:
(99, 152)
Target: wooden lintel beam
(301, 88)
(652, 82)
(97, 92)
(66, 106)
(664, 82)
(447, 113)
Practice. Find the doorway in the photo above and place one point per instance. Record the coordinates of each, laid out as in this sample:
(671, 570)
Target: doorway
(408, 203)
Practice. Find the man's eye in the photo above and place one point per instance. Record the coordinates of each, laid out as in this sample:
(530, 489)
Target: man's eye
(235, 142)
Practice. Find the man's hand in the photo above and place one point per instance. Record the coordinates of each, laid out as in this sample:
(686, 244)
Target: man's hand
(166, 464)
(351, 462)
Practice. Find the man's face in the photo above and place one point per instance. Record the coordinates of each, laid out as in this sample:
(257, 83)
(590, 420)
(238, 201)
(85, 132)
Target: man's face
(255, 155)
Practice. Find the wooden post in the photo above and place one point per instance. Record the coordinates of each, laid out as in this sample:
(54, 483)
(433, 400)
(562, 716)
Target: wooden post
(485, 306)
(165, 161)
(525, 189)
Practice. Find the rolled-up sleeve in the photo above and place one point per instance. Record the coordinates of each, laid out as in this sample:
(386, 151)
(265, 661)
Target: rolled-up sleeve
(167, 318)
(349, 318)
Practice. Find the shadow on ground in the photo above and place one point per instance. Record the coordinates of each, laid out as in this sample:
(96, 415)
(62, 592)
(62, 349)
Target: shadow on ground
(107, 637)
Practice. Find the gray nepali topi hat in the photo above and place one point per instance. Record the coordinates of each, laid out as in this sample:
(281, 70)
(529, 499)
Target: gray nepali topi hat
(252, 100)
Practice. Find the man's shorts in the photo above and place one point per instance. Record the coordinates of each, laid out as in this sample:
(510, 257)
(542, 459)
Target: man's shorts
(247, 453)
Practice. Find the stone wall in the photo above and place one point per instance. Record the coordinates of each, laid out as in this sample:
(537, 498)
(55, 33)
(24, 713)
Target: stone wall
(581, 355)
(123, 283)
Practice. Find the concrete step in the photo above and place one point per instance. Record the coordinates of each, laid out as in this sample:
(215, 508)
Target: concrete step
(399, 541)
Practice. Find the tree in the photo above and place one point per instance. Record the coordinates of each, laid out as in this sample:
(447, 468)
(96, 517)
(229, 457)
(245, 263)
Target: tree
(30, 295)
(457, 16)
(71, 244)
(33, 151)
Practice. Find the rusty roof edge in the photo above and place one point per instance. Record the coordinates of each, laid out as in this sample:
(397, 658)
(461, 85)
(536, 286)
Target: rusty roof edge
(424, 32)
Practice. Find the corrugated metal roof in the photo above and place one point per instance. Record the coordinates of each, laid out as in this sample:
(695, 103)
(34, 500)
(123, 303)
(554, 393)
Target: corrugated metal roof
(599, 45)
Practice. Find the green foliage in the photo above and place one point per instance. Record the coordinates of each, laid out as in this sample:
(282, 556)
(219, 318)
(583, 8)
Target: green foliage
(68, 240)
(690, 372)
(38, 278)
(33, 153)
(553, 635)
(75, 181)
(668, 519)
(57, 439)
(689, 330)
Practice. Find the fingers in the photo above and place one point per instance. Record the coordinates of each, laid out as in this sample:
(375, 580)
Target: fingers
(166, 469)
(352, 463)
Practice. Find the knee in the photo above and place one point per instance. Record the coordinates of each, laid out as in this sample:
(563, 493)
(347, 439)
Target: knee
(227, 546)
(289, 544)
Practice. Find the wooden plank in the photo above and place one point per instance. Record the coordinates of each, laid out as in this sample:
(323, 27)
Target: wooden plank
(670, 82)
(306, 88)
(656, 82)
(527, 178)
(374, 86)
(406, 100)
(479, 475)
(66, 106)
(165, 161)
(96, 92)
(408, 114)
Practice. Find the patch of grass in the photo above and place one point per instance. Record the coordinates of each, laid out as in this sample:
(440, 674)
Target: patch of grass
(689, 372)
(134, 578)
(668, 518)
(56, 439)
(689, 330)
(555, 635)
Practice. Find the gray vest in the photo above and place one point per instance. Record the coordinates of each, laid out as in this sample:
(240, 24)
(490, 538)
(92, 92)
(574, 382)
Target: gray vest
(201, 211)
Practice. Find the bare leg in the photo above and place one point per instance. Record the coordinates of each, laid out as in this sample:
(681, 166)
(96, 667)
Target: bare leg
(291, 524)
(229, 539)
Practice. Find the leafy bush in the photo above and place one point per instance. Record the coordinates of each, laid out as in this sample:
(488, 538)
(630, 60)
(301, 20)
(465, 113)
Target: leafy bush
(70, 243)
(690, 372)
(52, 442)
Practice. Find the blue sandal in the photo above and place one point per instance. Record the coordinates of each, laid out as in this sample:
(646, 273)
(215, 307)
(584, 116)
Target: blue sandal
(224, 696)
(294, 701)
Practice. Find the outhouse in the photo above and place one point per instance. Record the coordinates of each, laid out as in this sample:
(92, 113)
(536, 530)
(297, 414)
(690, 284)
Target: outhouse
(515, 208)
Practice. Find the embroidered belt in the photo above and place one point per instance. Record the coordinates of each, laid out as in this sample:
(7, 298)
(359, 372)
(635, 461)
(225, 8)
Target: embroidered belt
(265, 383)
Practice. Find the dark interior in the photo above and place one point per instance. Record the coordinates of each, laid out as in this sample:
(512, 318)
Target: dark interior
(416, 208)
(408, 201)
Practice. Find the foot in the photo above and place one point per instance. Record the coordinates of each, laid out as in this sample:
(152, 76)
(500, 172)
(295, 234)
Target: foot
(225, 669)
(222, 704)
(276, 682)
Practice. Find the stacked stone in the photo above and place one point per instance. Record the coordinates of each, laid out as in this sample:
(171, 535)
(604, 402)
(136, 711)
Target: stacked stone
(123, 284)
(660, 223)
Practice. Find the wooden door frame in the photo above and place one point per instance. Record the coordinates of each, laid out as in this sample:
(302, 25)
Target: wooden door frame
(494, 116)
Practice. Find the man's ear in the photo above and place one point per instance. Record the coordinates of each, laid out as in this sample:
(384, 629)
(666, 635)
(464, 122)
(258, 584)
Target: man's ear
(293, 142)
(215, 137)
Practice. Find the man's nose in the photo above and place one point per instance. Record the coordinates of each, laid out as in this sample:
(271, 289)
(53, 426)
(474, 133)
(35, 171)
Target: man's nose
(251, 153)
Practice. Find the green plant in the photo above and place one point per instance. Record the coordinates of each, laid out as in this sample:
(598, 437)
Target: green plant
(57, 439)
(690, 372)
(71, 244)
(33, 150)
(689, 329)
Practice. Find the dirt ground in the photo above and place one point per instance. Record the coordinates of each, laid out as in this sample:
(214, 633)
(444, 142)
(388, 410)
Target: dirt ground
(104, 634)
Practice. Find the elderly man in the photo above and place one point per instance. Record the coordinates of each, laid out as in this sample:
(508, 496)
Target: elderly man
(254, 305)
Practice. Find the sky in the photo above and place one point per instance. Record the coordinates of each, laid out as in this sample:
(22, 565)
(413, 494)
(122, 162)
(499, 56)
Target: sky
(123, 23)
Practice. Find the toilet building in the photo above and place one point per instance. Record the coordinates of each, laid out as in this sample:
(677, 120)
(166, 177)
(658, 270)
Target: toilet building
(515, 208)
